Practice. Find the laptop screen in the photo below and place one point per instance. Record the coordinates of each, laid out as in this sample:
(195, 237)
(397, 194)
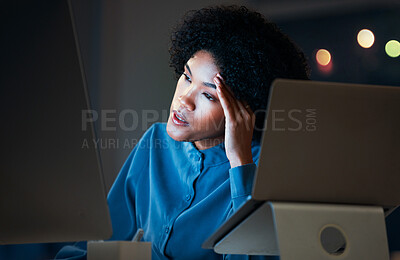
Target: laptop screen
(331, 143)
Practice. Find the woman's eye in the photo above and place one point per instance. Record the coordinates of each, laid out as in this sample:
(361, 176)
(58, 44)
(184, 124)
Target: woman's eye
(187, 77)
(208, 96)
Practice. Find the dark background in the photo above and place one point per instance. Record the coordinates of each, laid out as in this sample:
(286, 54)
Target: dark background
(125, 51)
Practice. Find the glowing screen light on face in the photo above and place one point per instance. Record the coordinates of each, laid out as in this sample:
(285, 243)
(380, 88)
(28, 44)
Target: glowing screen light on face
(392, 48)
(365, 38)
(323, 57)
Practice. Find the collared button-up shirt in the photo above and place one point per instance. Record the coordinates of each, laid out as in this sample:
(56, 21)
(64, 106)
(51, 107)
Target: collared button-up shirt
(178, 195)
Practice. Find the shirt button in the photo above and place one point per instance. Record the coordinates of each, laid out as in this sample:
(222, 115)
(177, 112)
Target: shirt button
(188, 197)
(167, 230)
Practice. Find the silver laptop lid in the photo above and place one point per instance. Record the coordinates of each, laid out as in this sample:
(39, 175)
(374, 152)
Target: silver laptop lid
(331, 142)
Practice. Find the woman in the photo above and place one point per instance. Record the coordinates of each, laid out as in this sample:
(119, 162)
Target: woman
(186, 177)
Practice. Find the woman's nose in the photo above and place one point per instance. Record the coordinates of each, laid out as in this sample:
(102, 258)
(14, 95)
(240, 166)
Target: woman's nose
(187, 100)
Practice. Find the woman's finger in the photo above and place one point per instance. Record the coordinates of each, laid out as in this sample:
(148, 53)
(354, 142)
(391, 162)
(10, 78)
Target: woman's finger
(225, 102)
(222, 81)
(241, 106)
(247, 115)
(227, 94)
(238, 106)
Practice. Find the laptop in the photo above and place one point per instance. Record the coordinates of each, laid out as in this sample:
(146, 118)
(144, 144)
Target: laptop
(326, 142)
(51, 181)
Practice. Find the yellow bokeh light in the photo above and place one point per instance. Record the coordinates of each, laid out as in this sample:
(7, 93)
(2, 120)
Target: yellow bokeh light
(365, 38)
(323, 57)
(392, 48)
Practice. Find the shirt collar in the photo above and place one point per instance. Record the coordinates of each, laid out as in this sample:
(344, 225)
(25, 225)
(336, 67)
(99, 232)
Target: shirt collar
(212, 156)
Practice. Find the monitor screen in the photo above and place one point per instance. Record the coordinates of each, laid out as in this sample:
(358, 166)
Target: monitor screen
(51, 185)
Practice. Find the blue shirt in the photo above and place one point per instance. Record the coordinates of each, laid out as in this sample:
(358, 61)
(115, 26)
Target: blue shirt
(177, 194)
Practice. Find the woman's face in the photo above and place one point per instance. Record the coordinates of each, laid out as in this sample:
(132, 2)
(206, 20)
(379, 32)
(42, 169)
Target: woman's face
(196, 114)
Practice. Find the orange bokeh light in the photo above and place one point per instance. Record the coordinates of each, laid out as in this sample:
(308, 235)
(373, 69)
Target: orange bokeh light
(323, 57)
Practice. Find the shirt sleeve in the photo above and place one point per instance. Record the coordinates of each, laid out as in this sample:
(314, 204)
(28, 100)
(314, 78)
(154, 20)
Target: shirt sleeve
(241, 183)
(73, 252)
(121, 199)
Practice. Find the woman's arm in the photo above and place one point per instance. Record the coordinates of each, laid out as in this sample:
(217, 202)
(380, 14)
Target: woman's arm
(121, 199)
(241, 182)
(239, 125)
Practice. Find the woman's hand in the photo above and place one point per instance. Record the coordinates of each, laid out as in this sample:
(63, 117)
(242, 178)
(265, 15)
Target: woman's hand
(239, 125)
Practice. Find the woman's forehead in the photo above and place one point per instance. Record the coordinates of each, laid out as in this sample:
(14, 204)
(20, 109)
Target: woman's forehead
(202, 64)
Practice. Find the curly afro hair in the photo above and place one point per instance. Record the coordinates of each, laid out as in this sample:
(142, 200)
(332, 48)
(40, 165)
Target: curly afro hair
(249, 50)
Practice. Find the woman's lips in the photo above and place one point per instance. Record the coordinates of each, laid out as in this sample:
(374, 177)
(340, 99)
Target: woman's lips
(178, 119)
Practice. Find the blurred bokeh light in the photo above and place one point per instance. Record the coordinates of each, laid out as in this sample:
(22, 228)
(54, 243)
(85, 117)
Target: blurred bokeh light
(323, 57)
(392, 48)
(365, 38)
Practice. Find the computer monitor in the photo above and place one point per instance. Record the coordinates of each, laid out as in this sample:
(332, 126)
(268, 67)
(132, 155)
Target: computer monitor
(51, 184)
